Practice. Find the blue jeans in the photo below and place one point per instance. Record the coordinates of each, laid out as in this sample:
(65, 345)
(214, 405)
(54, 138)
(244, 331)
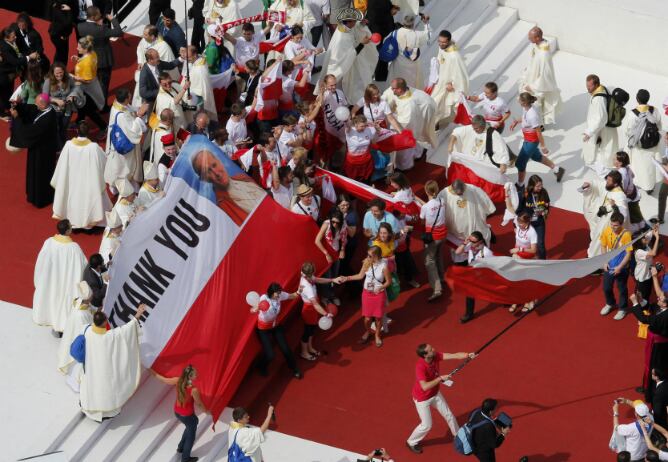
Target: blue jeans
(539, 226)
(189, 434)
(528, 152)
(609, 280)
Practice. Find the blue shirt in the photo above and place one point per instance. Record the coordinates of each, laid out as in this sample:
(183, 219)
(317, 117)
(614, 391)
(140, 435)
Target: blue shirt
(371, 223)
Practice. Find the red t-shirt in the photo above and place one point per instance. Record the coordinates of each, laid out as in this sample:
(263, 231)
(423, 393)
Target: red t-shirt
(188, 407)
(427, 372)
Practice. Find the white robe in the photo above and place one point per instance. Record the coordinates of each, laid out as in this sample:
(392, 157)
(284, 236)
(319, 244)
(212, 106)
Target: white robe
(200, 85)
(411, 71)
(539, 76)
(222, 14)
(249, 439)
(58, 270)
(451, 69)
(597, 117)
(80, 316)
(112, 372)
(165, 100)
(646, 174)
(156, 149)
(78, 181)
(466, 213)
(165, 53)
(295, 15)
(353, 71)
(593, 198)
(128, 165)
(109, 245)
(126, 211)
(147, 196)
(475, 144)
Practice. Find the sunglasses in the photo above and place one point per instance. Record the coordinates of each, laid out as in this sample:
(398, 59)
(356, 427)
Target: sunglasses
(336, 222)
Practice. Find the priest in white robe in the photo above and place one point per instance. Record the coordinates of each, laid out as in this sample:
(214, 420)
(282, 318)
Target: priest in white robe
(151, 41)
(127, 166)
(466, 210)
(201, 91)
(472, 140)
(81, 315)
(642, 160)
(150, 191)
(600, 142)
(296, 14)
(165, 127)
(112, 366)
(111, 238)
(538, 77)
(408, 64)
(414, 110)
(602, 197)
(58, 270)
(351, 56)
(448, 78)
(78, 181)
(125, 206)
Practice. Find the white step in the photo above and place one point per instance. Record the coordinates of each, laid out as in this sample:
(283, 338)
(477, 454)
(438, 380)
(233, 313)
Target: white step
(495, 28)
(441, 12)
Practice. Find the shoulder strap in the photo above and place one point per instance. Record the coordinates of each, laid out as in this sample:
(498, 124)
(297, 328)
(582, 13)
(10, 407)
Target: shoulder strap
(438, 212)
(489, 149)
(636, 112)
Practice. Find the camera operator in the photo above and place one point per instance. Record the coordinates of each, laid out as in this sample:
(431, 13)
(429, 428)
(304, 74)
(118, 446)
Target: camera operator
(487, 438)
(634, 441)
(377, 455)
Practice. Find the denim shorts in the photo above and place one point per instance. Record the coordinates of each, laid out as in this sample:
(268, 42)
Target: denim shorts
(529, 151)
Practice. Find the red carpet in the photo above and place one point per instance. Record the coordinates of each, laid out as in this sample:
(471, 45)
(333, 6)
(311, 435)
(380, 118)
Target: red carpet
(556, 372)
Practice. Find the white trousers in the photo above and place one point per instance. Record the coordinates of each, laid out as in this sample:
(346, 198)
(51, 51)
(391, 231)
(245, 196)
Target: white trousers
(424, 411)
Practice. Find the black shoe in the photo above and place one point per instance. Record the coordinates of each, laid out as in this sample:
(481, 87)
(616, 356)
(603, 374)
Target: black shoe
(297, 374)
(179, 450)
(466, 318)
(56, 334)
(560, 174)
(417, 449)
(192, 459)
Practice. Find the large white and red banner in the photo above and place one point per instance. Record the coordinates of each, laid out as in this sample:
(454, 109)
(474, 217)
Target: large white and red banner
(193, 256)
(481, 174)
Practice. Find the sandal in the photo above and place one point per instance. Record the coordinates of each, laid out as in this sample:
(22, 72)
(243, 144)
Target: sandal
(379, 343)
(512, 308)
(309, 358)
(315, 353)
(365, 339)
(528, 307)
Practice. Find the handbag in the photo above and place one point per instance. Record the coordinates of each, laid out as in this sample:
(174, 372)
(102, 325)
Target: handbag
(617, 259)
(119, 140)
(428, 237)
(235, 453)
(153, 120)
(393, 289)
(78, 347)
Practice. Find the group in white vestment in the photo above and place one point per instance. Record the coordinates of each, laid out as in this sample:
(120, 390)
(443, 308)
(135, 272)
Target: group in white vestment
(112, 368)
(639, 121)
(80, 191)
(165, 127)
(448, 78)
(151, 40)
(111, 238)
(408, 64)
(81, 316)
(150, 191)
(538, 77)
(473, 140)
(125, 206)
(58, 270)
(170, 97)
(296, 14)
(600, 141)
(249, 438)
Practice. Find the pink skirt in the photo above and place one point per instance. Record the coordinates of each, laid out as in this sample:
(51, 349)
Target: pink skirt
(373, 305)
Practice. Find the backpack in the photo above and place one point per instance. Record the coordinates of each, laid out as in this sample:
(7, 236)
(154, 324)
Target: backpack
(649, 135)
(119, 140)
(464, 438)
(389, 50)
(78, 347)
(615, 106)
(235, 453)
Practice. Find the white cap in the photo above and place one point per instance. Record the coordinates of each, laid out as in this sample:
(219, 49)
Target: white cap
(84, 290)
(150, 171)
(212, 30)
(642, 410)
(113, 220)
(124, 187)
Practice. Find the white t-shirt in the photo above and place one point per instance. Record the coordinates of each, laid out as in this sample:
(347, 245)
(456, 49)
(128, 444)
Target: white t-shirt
(308, 290)
(309, 127)
(531, 118)
(494, 110)
(312, 210)
(524, 238)
(482, 252)
(635, 441)
(359, 142)
(288, 84)
(429, 211)
(643, 270)
(236, 130)
(293, 49)
(374, 277)
(319, 8)
(283, 195)
(374, 112)
(274, 309)
(285, 138)
(243, 50)
(405, 195)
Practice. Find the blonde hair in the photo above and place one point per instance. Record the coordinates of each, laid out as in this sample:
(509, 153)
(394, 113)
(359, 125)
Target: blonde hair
(431, 187)
(299, 154)
(87, 43)
(369, 92)
(184, 382)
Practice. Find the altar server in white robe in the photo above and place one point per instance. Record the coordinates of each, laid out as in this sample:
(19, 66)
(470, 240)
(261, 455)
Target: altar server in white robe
(351, 56)
(150, 191)
(125, 206)
(472, 140)
(448, 78)
(415, 110)
(81, 315)
(408, 64)
(112, 366)
(296, 14)
(59, 268)
(600, 142)
(151, 41)
(538, 77)
(201, 91)
(602, 192)
(466, 210)
(111, 238)
(130, 121)
(642, 160)
(78, 181)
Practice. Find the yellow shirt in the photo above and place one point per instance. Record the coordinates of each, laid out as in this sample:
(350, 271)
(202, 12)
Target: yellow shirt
(86, 67)
(609, 239)
(386, 248)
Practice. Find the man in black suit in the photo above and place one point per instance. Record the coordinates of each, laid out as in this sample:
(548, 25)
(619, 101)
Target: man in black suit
(12, 63)
(93, 276)
(380, 17)
(29, 41)
(660, 398)
(148, 76)
(486, 437)
(155, 9)
(101, 34)
(202, 125)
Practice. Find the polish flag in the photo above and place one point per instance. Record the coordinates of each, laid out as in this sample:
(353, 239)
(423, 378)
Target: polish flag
(274, 45)
(389, 141)
(271, 85)
(508, 281)
(464, 114)
(481, 174)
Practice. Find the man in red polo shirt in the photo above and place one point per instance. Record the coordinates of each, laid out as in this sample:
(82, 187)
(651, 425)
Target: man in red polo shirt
(426, 392)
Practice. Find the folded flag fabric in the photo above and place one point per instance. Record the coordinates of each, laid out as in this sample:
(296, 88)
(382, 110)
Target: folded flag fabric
(478, 173)
(463, 115)
(389, 141)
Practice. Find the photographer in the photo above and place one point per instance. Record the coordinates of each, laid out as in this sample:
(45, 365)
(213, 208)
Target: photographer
(644, 251)
(634, 441)
(487, 438)
(377, 455)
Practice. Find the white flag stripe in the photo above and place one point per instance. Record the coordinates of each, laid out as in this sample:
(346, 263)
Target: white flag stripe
(484, 170)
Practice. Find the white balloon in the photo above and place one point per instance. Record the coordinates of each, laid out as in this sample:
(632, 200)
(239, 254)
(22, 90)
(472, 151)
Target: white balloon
(325, 323)
(342, 113)
(253, 298)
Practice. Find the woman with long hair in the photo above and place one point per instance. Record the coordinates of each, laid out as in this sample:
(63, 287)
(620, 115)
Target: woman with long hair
(536, 202)
(312, 309)
(33, 83)
(622, 164)
(332, 238)
(526, 246)
(85, 74)
(65, 96)
(376, 109)
(475, 248)
(347, 209)
(377, 278)
(644, 251)
(187, 395)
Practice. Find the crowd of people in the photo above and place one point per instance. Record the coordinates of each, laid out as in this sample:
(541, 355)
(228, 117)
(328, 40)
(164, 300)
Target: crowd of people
(330, 111)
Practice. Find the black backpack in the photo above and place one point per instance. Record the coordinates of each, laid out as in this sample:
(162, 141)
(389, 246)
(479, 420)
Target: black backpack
(615, 106)
(650, 135)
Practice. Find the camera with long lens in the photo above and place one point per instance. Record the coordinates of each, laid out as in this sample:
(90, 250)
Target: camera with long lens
(602, 211)
(188, 107)
(659, 266)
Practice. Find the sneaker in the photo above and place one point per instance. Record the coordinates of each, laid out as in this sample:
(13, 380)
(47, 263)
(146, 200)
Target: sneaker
(434, 296)
(621, 314)
(606, 310)
(413, 283)
(560, 174)
(417, 449)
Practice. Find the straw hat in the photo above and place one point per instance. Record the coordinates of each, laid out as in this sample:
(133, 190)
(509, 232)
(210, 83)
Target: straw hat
(304, 190)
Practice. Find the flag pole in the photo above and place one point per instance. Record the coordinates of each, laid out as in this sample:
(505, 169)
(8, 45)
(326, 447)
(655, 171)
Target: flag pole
(185, 20)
